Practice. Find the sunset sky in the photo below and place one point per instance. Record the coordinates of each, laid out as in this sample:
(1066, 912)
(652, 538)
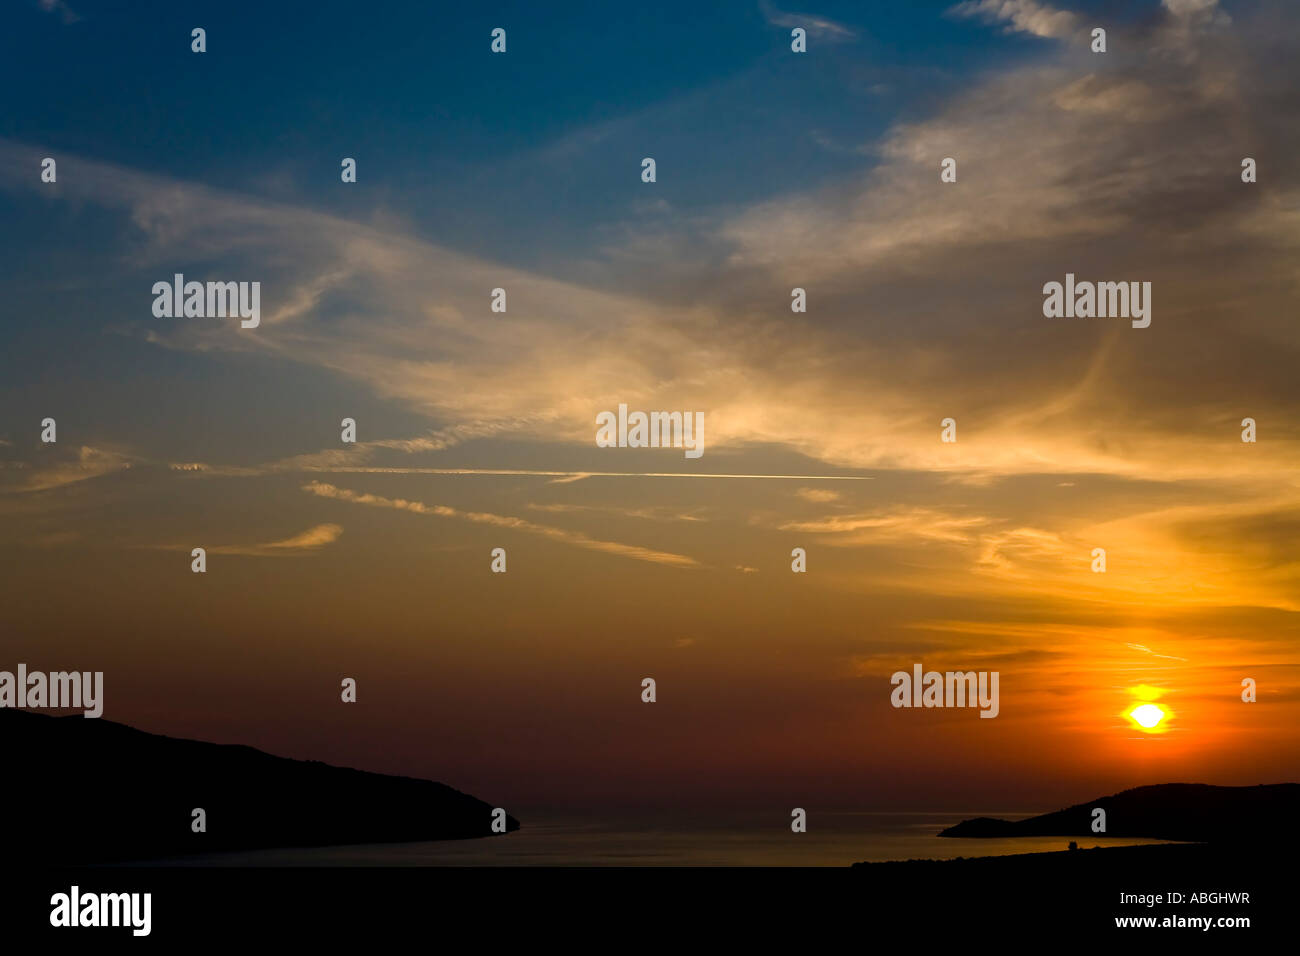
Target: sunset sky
(774, 170)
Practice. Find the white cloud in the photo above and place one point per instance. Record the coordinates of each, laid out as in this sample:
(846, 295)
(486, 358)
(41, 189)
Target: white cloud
(1024, 16)
(1048, 177)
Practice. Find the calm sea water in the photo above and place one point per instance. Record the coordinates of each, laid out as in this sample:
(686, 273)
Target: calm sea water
(833, 839)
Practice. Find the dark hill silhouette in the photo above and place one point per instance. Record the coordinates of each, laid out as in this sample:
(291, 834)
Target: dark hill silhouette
(1167, 811)
(79, 790)
(1074, 894)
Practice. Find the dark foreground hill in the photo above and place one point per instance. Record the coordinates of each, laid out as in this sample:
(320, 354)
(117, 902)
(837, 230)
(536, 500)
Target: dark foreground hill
(78, 790)
(1070, 894)
(1168, 811)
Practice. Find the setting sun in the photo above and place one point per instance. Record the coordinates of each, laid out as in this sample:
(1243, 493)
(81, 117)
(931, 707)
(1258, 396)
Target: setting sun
(1147, 715)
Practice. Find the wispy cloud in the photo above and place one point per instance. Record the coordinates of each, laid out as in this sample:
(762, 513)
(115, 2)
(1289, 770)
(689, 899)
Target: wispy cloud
(1024, 16)
(65, 12)
(1048, 179)
(89, 463)
(816, 26)
(1142, 647)
(818, 495)
(313, 539)
(429, 348)
(305, 543)
(622, 511)
(575, 538)
(894, 524)
(1204, 10)
(333, 463)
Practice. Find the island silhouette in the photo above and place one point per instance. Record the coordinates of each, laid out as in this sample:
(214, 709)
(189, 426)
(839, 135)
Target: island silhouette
(88, 791)
(1234, 840)
(1194, 812)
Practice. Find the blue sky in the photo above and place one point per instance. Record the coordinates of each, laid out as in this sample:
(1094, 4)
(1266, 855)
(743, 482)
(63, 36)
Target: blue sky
(501, 153)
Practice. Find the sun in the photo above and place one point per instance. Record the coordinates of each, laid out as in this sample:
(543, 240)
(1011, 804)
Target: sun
(1143, 713)
(1147, 716)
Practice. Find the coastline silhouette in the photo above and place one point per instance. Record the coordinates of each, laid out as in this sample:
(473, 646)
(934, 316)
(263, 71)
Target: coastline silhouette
(99, 791)
(1194, 812)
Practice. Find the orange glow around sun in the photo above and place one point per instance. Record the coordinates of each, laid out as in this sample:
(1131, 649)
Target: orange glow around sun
(1146, 715)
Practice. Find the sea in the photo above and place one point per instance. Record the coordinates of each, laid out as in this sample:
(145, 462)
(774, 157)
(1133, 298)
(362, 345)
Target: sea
(832, 839)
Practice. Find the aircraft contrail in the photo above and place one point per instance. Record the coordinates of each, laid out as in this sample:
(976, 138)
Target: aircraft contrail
(566, 474)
